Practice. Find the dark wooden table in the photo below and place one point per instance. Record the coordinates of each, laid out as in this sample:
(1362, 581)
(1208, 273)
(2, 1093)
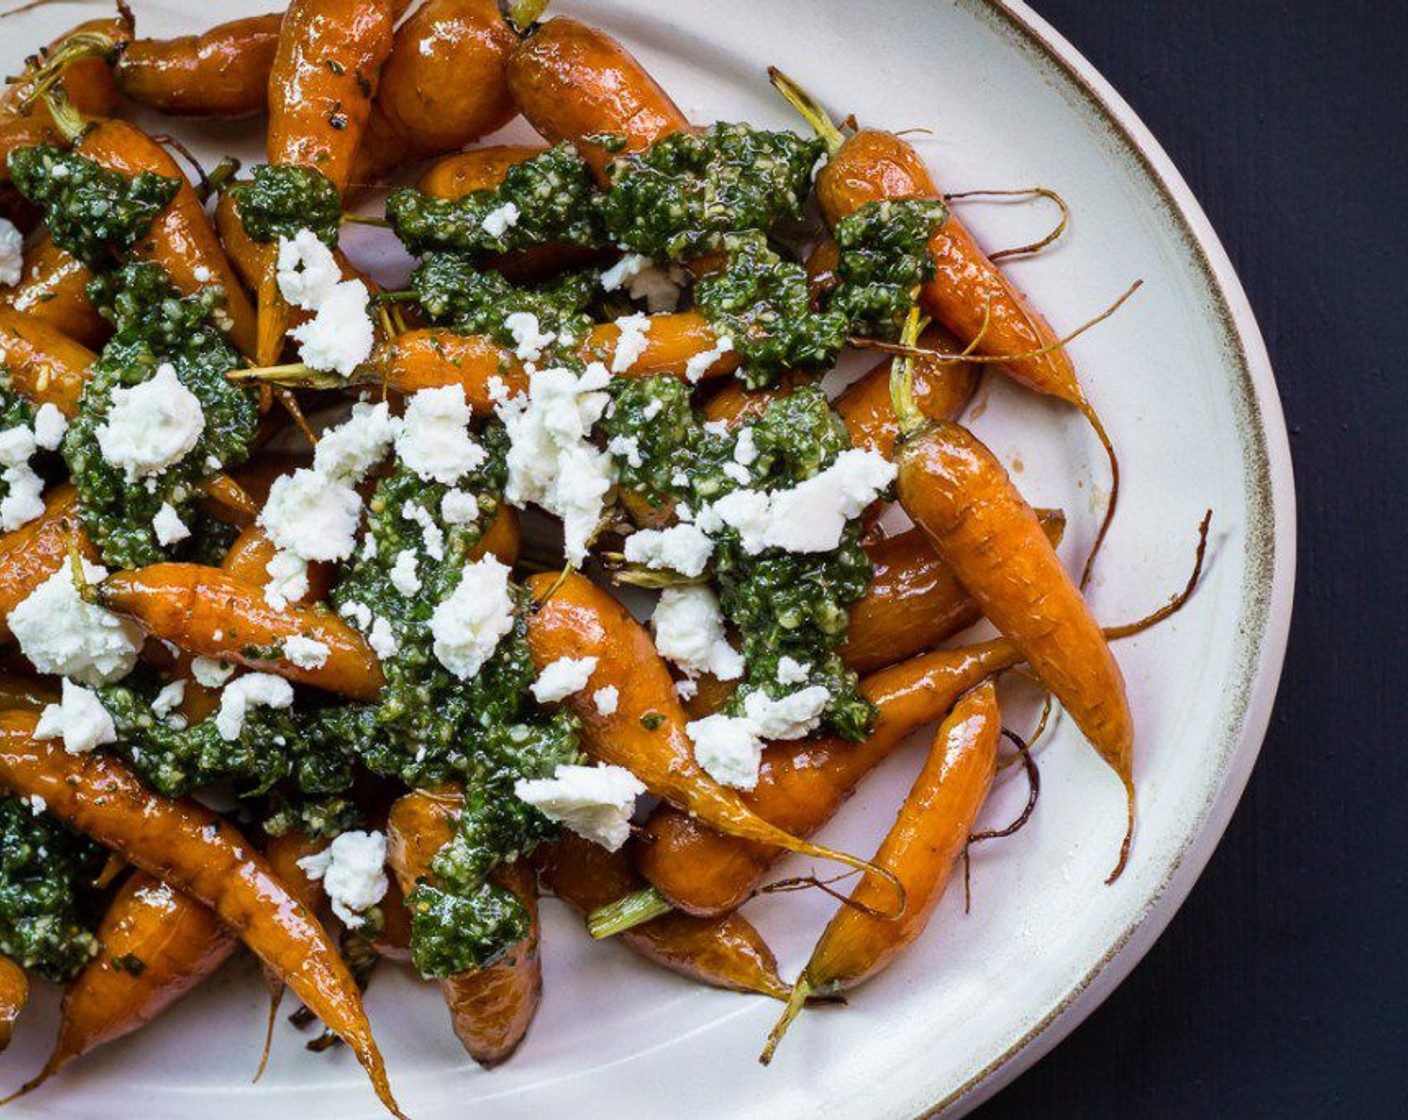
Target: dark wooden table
(1281, 987)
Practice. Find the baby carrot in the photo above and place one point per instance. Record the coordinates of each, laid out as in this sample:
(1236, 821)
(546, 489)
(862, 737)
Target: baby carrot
(44, 364)
(14, 994)
(222, 72)
(206, 611)
(928, 835)
(195, 851)
(573, 617)
(247, 560)
(54, 289)
(32, 553)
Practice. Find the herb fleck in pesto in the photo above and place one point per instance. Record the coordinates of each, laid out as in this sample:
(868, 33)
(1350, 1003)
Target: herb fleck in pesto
(282, 199)
(130, 963)
(884, 257)
(94, 213)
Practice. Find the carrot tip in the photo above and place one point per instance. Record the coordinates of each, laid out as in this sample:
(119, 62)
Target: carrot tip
(795, 1003)
(1128, 840)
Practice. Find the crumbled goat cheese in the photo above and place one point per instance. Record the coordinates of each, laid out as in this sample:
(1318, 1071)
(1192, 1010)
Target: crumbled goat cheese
(249, 691)
(689, 630)
(496, 388)
(787, 717)
(307, 271)
(686, 689)
(701, 363)
(459, 507)
(49, 427)
(431, 534)
(352, 870)
(745, 447)
(606, 700)
(306, 653)
(467, 625)
(312, 516)
(169, 699)
(659, 287)
(528, 338)
(201, 274)
(288, 579)
(382, 638)
(631, 343)
(551, 462)
(498, 220)
(37, 804)
(653, 408)
(24, 500)
(791, 671)
(681, 548)
(339, 337)
(728, 748)
(348, 452)
(561, 678)
(11, 254)
(151, 425)
(17, 445)
(60, 633)
(738, 472)
(359, 613)
(169, 527)
(403, 572)
(595, 802)
(628, 448)
(435, 440)
(210, 672)
(79, 719)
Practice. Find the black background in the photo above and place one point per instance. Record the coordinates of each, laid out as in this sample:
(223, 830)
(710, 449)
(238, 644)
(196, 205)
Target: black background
(1281, 987)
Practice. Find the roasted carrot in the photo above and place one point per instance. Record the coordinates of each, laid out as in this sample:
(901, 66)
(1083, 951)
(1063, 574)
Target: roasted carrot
(928, 835)
(961, 496)
(14, 994)
(25, 694)
(247, 560)
(572, 81)
(32, 553)
(195, 851)
(206, 611)
(800, 787)
(222, 72)
(87, 80)
(55, 290)
(573, 617)
(157, 944)
(44, 364)
(724, 951)
(491, 1008)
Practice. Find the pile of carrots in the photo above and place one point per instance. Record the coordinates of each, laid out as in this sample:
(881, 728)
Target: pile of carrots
(359, 90)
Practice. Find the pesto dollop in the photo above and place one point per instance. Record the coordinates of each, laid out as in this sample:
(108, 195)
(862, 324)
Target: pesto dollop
(44, 924)
(884, 257)
(154, 324)
(281, 199)
(94, 213)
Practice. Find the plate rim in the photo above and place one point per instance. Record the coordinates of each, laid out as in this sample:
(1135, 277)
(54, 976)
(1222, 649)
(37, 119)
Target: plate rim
(1276, 556)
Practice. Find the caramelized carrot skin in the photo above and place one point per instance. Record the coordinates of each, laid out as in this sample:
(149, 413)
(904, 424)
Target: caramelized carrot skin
(724, 951)
(803, 783)
(195, 851)
(25, 694)
(14, 994)
(207, 611)
(874, 165)
(34, 552)
(929, 834)
(670, 342)
(490, 1008)
(443, 86)
(248, 561)
(222, 72)
(961, 496)
(571, 81)
(179, 943)
(44, 364)
(55, 290)
(88, 81)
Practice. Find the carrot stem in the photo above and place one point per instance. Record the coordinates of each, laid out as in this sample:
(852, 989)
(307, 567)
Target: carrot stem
(627, 912)
(522, 14)
(809, 108)
(800, 993)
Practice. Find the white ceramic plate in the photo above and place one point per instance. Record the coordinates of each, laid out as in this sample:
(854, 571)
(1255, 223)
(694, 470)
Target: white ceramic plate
(1183, 381)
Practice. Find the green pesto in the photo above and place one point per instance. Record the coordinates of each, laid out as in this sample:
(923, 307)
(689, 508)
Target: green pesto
(683, 196)
(210, 539)
(154, 324)
(884, 258)
(94, 213)
(454, 292)
(281, 199)
(553, 193)
(761, 302)
(453, 931)
(44, 925)
(657, 416)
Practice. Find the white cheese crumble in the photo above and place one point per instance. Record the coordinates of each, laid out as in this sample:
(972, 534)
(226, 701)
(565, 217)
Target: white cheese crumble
(79, 719)
(791, 671)
(432, 536)
(435, 440)
(561, 678)
(37, 804)
(169, 527)
(352, 870)
(551, 462)
(288, 579)
(631, 343)
(745, 447)
(210, 672)
(312, 516)
(606, 699)
(787, 717)
(682, 548)
(500, 219)
(730, 748)
(11, 254)
(348, 452)
(467, 625)
(528, 337)
(686, 689)
(689, 630)
(403, 572)
(659, 287)
(595, 802)
(459, 507)
(339, 337)
(496, 388)
(628, 448)
(249, 691)
(151, 425)
(305, 652)
(24, 498)
(307, 271)
(62, 634)
(49, 426)
(169, 699)
(382, 638)
(701, 363)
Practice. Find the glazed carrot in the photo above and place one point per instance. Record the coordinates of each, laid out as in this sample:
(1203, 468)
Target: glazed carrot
(928, 836)
(25, 694)
(442, 88)
(725, 951)
(157, 944)
(195, 851)
(32, 553)
(87, 80)
(55, 290)
(645, 733)
(14, 994)
(206, 611)
(572, 81)
(44, 364)
(800, 787)
(491, 1008)
(222, 72)
(248, 561)
(960, 495)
